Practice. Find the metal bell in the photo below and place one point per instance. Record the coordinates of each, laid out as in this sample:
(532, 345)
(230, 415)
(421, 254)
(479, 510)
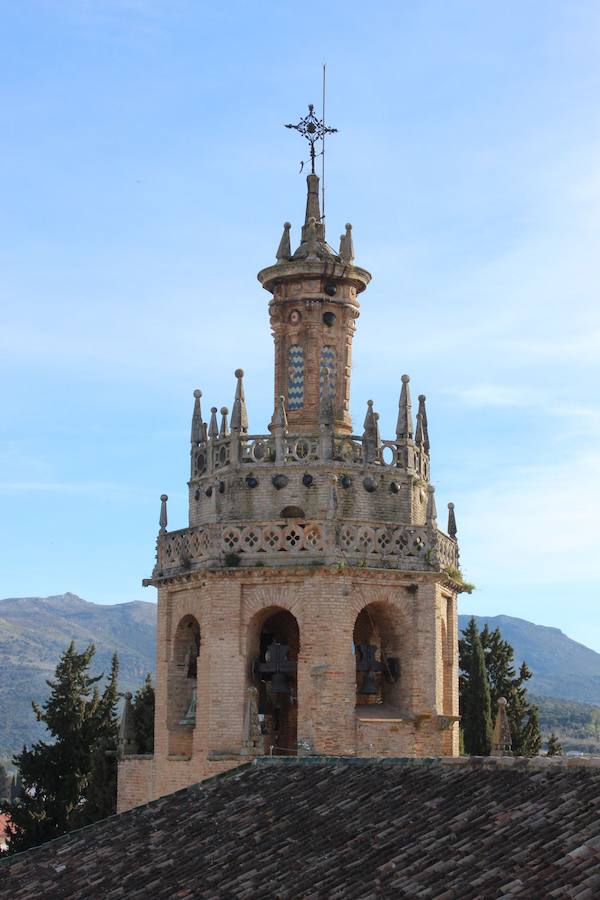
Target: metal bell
(279, 684)
(369, 685)
(190, 715)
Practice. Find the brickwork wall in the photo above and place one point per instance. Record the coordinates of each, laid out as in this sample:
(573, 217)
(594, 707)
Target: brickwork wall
(230, 605)
(238, 501)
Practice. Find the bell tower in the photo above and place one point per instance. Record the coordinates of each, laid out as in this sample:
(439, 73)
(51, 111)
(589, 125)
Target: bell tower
(313, 314)
(309, 606)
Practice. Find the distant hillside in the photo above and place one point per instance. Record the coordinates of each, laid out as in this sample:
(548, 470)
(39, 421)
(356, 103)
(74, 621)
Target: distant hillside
(34, 631)
(562, 667)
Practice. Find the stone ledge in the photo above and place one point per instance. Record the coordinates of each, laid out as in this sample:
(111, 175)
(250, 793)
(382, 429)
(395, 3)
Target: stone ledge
(475, 762)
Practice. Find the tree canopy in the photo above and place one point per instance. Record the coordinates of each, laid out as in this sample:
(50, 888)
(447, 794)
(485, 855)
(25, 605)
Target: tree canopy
(70, 780)
(503, 681)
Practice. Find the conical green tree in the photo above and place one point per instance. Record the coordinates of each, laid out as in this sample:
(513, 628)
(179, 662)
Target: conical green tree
(143, 716)
(100, 797)
(475, 705)
(57, 778)
(555, 748)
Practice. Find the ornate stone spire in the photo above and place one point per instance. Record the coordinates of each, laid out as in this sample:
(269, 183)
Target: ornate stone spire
(313, 246)
(419, 440)
(213, 428)
(370, 424)
(224, 430)
(431, 514)
(197, 423)
(501, 739)
(239, 415)
(126, 740)
(451, 522)
(347, 245)
(284, 251)
(404, 428)
(280, 417)
(163, 521)
(423, 413)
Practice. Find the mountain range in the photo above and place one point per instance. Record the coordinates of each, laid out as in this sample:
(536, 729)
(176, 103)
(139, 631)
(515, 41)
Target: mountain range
(34, 631)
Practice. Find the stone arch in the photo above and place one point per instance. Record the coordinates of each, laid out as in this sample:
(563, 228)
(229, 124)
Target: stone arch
(182, 683)
(379, 646)
(292, 512)
(273, 648)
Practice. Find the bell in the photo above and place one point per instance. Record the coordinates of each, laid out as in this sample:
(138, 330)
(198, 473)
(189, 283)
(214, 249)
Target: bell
(279, 684)
(368, 685)
(190, 715)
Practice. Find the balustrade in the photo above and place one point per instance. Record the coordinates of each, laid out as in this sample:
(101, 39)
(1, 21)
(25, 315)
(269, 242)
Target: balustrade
(408, 547)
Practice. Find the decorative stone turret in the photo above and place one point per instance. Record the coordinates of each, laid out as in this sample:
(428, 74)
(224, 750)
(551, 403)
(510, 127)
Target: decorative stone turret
(313, 313)
(310, 603)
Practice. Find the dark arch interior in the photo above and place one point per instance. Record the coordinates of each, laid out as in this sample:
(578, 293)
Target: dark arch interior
(275, 673)
(376, 645)
(292, 512)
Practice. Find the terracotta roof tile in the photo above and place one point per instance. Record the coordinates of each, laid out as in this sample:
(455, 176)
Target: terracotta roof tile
(338, 828)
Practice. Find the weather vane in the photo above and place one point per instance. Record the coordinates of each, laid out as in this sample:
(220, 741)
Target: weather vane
(313, 130)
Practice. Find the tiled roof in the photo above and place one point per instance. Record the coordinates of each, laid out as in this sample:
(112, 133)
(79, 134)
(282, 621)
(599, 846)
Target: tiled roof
(332, 828)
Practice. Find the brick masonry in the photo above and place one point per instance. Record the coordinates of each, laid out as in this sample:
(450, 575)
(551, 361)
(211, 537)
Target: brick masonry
(389, 591)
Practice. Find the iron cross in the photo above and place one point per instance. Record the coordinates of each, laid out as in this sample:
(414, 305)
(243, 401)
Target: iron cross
(313, 130)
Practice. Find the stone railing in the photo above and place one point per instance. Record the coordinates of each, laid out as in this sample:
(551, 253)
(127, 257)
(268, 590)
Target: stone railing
(287, 542)
(258, 449)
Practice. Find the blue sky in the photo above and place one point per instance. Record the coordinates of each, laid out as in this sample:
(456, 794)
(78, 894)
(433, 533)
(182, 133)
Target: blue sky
(145, 177)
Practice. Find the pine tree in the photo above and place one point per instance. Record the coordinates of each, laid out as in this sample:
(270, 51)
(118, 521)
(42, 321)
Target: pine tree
(523, 717)
(143, 716)
(60, 779)
(475, 706)
(101, 790)
(555, 748)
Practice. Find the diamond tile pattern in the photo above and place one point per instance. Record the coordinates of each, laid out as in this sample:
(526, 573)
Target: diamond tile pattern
(295, 398)
(318, 828)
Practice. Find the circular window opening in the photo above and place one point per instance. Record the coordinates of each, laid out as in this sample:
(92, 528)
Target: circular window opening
(295, 317)
(329, 318)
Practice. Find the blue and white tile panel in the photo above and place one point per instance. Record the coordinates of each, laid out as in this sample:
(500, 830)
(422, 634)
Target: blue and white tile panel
(295, 398)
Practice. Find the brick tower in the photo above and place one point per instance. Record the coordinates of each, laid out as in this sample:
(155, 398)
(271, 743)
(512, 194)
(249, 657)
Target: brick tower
(310, 605)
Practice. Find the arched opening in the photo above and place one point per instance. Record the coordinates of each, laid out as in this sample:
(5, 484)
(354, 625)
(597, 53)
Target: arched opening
(377, 649)
(274, 644)
(182, 686)
(292, 512)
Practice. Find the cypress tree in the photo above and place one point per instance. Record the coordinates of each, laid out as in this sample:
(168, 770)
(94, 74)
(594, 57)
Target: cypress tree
(523, 716)
(143, 716)
(475, 706)
(555, 748)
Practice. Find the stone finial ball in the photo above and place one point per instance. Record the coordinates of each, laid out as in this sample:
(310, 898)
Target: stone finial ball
(405, 379)
(224, 410)
(348, 226)
(287, 225)
(501, 701)
(376, 416)
(197, 393)
(451, 506)
(164, 497)
(128, 695)
(213, 409)
(239, 373)
(369, 403)
(422, 398)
